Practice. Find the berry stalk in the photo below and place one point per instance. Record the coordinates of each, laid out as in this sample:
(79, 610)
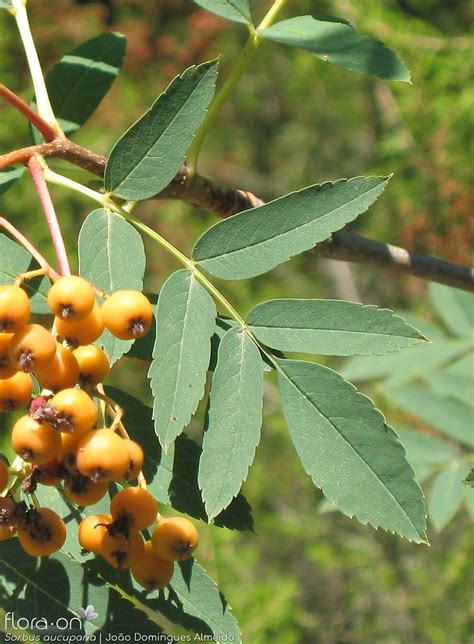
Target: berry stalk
(41, 93)
(36, 170)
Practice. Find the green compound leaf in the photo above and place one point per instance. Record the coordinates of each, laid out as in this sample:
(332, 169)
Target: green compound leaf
(81, 79)
(469, 480)
(172, 477)
(234, 420)
(341, 44)
(425, 453)
(235, 10)
(449, 415)
(446, 495)
(105, 243)
(330, 327)
(50, 592)
(398, 368)
(185, 496)
(460, 386)
(186, 319)
(201, 598)
(15, 260)
(10, 176)
(455, 308)
(192, 600)
(468, 494)
(148, 156)
(255, 241)
(428, 329)
(462, 367)
(349, 451)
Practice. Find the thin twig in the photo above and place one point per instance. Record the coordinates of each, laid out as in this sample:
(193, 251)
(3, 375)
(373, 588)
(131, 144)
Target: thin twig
(224, 202)
(48, 132)
(36, 170)
(61, 149)
(28, 246)
(45, 109)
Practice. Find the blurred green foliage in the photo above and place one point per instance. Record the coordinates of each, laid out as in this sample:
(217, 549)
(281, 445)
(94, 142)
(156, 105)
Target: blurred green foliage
(305, 576)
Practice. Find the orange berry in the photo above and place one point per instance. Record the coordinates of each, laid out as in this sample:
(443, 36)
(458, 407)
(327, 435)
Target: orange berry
(71, 298)
(150, 571)
(127, 314)
(136, 459)
(175, 538)
(36, 442)
(7, 518)
(85, 331)
(15, 391)
(31, 348)
(41, 532)
(93, 364)
(92, 530)
(61, 372)
(75, 411)
(68, 451)
(82, 491)
(101, 456)
(50, 473)
(120, 552)
(14, 308)
(135, 507)
(7, 531)
(3, 475)
(7, 368)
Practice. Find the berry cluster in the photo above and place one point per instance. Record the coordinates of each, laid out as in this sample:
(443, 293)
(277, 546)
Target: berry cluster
(116, 536)
(61, 441)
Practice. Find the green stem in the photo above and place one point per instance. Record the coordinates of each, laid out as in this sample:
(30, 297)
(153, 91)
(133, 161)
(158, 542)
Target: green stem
(41, 93)
(107, 202)
(241, 64)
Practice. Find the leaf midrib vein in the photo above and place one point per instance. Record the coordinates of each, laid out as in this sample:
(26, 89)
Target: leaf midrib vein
(329, 330)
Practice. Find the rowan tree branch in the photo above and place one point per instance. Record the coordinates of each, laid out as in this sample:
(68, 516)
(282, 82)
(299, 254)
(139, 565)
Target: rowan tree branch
(351, 247)
(224, 202)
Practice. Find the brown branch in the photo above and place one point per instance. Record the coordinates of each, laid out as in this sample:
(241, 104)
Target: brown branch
(209, 195)
(60, 149)
(351, 247)
(201, 192)
(224, 202)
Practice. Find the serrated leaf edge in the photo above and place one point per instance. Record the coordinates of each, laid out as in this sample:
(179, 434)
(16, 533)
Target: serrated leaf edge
(212, 65)
(212, 515)
(167, 444)
(381, 310)
(383, 183)
(378, 412)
